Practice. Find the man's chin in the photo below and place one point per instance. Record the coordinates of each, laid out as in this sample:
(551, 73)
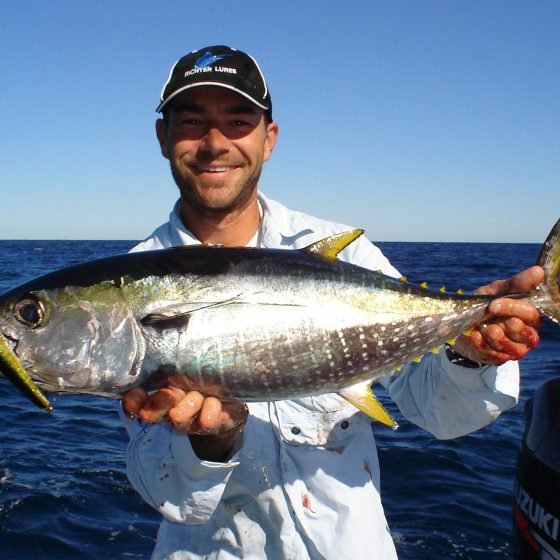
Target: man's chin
(213, 202)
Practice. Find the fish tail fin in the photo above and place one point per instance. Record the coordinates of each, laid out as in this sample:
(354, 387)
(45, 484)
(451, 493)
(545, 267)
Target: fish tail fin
(362, 397)
(549, 259)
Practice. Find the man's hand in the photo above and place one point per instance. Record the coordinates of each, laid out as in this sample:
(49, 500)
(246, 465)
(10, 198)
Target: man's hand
(213, 426)
(508, 332)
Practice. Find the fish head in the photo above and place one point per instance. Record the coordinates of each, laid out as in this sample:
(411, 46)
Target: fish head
(73, 339)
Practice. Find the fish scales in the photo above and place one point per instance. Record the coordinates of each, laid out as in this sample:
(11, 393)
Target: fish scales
(305, 344)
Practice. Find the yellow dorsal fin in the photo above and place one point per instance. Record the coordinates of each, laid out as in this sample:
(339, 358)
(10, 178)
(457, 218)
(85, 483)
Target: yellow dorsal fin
(362, 397)
(329, 247)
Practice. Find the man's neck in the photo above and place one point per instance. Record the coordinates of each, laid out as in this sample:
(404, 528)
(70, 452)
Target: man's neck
(231, 229)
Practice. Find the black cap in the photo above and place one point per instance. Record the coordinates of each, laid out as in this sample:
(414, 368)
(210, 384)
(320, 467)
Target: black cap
(218, 66)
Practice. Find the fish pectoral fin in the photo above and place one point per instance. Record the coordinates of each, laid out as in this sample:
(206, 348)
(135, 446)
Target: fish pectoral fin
(329, 247)
(174, 312)
(362, 397)
(164, 321)
(181, 311)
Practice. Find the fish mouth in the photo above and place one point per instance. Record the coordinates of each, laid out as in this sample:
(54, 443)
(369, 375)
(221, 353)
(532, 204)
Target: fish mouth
(12, 369)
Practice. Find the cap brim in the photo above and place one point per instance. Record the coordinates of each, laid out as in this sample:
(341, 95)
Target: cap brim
(214, 84)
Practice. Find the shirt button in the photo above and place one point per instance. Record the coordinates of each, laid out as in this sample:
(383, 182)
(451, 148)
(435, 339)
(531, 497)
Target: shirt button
(344, 424)
(296, 430)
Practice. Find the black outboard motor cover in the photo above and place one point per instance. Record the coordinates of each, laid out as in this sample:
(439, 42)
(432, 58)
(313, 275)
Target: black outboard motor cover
(536, 506)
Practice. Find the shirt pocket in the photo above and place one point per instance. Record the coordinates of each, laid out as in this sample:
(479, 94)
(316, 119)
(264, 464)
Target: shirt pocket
(325, 421)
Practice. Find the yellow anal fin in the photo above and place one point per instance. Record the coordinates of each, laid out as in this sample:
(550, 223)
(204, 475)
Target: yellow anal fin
(362, 397)
(329, 247)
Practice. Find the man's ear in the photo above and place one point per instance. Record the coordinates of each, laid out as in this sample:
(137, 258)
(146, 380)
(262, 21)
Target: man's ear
(271, 137)
(161, 133)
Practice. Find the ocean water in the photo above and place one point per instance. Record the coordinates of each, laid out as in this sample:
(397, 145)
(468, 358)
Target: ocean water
(63, 488)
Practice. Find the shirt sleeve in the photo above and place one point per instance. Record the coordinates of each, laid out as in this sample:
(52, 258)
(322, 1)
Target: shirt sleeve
(446, 399)
(163, 468)
(450, 400)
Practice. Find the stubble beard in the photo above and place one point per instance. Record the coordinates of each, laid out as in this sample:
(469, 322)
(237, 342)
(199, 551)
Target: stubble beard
(192, 198)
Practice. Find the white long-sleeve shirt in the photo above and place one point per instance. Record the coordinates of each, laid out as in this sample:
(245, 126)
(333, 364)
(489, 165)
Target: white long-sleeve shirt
(304, 483)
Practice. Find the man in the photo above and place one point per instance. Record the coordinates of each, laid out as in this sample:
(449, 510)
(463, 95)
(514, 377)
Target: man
(288, 479)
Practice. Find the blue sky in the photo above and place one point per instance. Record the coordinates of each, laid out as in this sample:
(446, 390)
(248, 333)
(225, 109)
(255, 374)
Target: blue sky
(417, 120)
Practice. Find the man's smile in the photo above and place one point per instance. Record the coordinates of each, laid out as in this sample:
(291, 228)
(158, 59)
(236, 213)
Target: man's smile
(213, 169)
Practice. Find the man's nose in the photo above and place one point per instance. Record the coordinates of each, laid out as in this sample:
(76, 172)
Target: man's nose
(215, 140)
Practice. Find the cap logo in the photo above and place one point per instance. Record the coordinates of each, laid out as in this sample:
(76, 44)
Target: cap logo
(207, 59)
(205, 64)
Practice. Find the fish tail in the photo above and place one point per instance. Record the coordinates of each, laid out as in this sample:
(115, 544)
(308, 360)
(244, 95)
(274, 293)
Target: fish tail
(549, 259)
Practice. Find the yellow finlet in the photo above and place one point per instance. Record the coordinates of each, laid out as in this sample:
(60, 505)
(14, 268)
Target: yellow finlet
(442, 289)
(362, 397)
(329, 247)
(403, 279)
(424, 285)
(460, 292)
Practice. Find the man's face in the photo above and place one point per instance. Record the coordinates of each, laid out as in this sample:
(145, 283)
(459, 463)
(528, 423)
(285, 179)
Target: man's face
(216, 142)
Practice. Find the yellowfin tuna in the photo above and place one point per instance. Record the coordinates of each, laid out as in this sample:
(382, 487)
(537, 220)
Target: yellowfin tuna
(236, 323)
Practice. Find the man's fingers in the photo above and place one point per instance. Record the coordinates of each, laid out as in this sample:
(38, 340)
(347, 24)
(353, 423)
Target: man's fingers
(518, 331)
(521, 283)
(159, 404)
(212, 417)
(183, 413)
(134, 400)
(187, 412)
(522, 309)
(195, 414)
(526, 280)
(496, 340)
(210, 414)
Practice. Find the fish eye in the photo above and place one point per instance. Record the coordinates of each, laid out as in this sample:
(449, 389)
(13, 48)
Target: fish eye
(29, 311)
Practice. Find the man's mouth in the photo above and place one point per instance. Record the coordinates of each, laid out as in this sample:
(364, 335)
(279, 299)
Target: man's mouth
(212, 169)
